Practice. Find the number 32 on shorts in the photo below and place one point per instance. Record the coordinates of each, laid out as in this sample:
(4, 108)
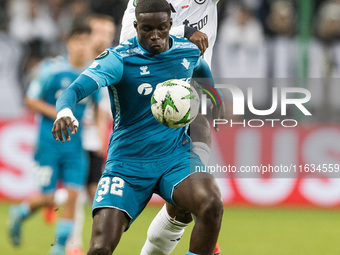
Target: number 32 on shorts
(114, 185)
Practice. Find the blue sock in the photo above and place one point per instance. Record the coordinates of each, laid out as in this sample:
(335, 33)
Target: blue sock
(24, 210)
(190, 253)
(63, 230)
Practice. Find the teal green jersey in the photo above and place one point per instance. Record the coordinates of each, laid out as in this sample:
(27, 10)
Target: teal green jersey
(131, 75)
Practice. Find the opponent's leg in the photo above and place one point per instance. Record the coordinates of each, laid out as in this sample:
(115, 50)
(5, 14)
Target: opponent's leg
(64, 226)
(165, 231)
(107, 228)
(74, 242)
(161, 227)
(201, 138)
(17, 214)
(200, 195)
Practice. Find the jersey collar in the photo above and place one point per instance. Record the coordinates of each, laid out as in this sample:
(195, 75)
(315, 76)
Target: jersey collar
(171, 46)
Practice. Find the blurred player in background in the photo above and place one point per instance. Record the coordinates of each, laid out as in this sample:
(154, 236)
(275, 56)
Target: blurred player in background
(55, 162)
(197, 21)
(143, 156)
(95, 122)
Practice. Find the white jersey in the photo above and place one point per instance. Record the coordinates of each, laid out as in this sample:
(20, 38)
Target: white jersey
(200, 14)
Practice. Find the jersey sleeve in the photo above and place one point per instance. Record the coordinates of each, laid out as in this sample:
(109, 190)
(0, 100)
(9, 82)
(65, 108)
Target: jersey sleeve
(82, 87)
(202, 75)
(106, 69)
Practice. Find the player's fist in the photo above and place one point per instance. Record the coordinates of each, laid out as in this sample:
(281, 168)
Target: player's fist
(65, 119)
(201, 40)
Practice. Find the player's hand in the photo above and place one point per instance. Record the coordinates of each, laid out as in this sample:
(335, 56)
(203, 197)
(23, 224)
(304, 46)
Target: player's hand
(201, 40)
(65, 119)
(217, 113)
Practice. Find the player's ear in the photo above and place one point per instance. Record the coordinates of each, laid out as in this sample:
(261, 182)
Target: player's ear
(170, 22)
(135, 24)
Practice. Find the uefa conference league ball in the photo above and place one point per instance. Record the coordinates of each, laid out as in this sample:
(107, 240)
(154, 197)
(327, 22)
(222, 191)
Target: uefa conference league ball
(175, 103)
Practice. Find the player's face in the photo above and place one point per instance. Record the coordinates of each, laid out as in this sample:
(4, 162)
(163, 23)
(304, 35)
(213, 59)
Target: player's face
(153, 31)
(78, 48)
(102, 35)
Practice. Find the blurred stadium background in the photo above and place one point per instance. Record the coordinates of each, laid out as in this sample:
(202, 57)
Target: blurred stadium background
(273, 42)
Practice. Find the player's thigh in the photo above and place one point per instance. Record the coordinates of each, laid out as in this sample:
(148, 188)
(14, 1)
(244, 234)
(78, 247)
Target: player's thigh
(127, 186)
(196, 191)
(46, 173)
(179, 170)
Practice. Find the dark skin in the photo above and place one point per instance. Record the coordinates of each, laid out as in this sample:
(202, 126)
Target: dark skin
(201, 40)
(197, 194)
(153, 31)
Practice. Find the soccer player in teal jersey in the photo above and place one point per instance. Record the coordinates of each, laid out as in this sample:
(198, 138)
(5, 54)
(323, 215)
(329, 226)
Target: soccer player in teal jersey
(144, 157)
(197, 21)
(55, 162)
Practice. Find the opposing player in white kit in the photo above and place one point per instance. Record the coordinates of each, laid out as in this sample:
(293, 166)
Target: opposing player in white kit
(197, 21)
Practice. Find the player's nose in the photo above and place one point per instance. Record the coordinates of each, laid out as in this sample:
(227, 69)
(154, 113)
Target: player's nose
(155, 35)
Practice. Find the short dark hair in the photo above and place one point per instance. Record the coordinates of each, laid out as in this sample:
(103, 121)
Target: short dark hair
(79, 30)
(148, 6)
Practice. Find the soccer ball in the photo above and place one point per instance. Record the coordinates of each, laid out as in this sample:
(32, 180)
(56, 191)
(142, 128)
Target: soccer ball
(175, 103)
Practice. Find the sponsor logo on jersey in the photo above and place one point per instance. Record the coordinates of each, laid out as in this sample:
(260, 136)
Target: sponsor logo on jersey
(198, 25)
(185, 63)
(103, 54)
(144, 70)
(144, 89)
(200, 1)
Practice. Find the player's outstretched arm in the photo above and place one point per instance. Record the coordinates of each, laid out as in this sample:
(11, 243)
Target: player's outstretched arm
(82, 87)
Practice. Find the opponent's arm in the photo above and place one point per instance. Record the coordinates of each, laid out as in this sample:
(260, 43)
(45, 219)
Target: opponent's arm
(82, 87)
(197, 37)
(202, 75)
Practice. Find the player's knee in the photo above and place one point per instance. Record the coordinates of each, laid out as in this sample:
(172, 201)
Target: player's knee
(72, 195)
(178, 214)
(99, 249)
(211, 209)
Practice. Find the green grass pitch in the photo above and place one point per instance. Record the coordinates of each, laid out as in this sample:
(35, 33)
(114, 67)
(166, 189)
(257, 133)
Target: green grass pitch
(245, 231)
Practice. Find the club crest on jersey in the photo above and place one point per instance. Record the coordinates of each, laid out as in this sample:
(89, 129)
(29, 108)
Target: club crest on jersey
(103, 54)
(200, 1)
(185, 63)
(144, 70)
(99, 198)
